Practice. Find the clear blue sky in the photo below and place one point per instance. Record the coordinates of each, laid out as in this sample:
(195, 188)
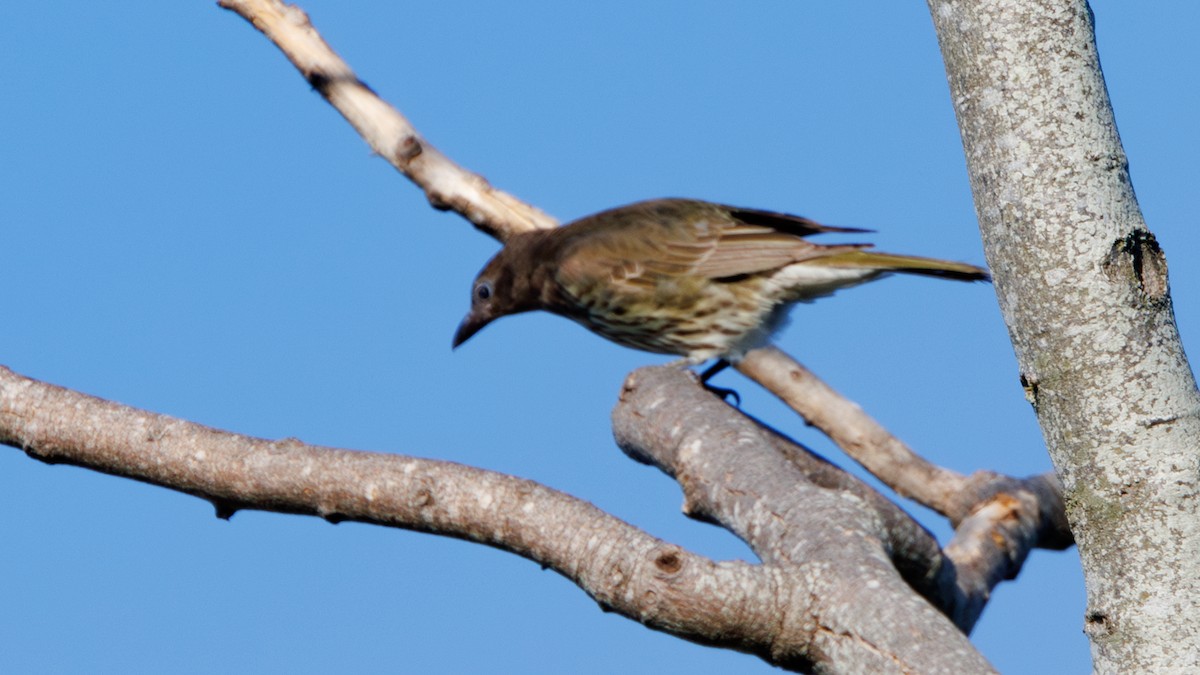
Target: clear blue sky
(189, 229)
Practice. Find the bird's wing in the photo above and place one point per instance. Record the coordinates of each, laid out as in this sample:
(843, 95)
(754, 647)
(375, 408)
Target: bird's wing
(751, 241)
(639, 245)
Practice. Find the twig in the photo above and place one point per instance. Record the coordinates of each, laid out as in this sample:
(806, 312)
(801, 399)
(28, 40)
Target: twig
(446, 184)
(854, 431)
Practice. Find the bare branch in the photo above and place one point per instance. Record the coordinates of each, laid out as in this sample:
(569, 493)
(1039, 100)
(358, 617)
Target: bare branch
(1006, 519)
(1003, 517)
(890, 460)
(833, 530)
(855, 432)
(446, 184)
(730, 604)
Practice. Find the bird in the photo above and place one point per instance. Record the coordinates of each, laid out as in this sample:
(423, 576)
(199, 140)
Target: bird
(687, 277)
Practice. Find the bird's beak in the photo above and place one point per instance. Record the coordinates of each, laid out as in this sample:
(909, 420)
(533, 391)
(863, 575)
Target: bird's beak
(471, 324)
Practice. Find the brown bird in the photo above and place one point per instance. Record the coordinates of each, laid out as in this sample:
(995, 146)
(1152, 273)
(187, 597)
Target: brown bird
(681, 276)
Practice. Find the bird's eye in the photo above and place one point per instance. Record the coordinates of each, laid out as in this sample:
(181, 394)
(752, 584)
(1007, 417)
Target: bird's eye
(483, 291)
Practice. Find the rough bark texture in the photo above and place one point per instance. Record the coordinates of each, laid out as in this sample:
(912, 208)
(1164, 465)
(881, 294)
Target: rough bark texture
(728, 604)
(834, 594)
(998, 519)
(830, 531)
(1083, 288)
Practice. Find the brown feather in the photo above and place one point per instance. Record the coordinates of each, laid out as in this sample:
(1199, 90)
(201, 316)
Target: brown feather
(677, 236)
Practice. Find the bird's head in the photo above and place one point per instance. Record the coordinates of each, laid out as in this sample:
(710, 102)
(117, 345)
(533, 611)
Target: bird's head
(503, 287)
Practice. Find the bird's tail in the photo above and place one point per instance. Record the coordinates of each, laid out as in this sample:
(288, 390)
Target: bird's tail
(906, 264)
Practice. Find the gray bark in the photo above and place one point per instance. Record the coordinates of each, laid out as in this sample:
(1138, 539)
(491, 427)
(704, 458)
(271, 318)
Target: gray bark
(857, 553)
(1083, 288)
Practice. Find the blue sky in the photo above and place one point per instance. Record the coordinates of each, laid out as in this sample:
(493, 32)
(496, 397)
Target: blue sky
(189, 229)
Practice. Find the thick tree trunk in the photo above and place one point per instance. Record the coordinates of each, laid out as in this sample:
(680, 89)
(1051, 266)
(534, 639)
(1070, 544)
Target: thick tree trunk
(1083, 288)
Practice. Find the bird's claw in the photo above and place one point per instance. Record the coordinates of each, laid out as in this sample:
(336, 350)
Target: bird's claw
(724, 393)
(721, 392)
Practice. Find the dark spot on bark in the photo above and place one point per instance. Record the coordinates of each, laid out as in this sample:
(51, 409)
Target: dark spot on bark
(319, 81)
(322, 81)
(669, 562)
(408, 149)
(1029, 383)
(1097, 624)
(423, 498)
(1137, 259)
(39, 455)
(1111, 161)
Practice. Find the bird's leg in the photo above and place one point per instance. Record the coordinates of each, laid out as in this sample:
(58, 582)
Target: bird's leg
(716, 367)
(722, 392)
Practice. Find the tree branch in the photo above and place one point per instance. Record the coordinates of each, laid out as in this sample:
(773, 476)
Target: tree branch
(390, 135)
(797, 511)
(728, 604)
(998, 519)
(854, 431)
